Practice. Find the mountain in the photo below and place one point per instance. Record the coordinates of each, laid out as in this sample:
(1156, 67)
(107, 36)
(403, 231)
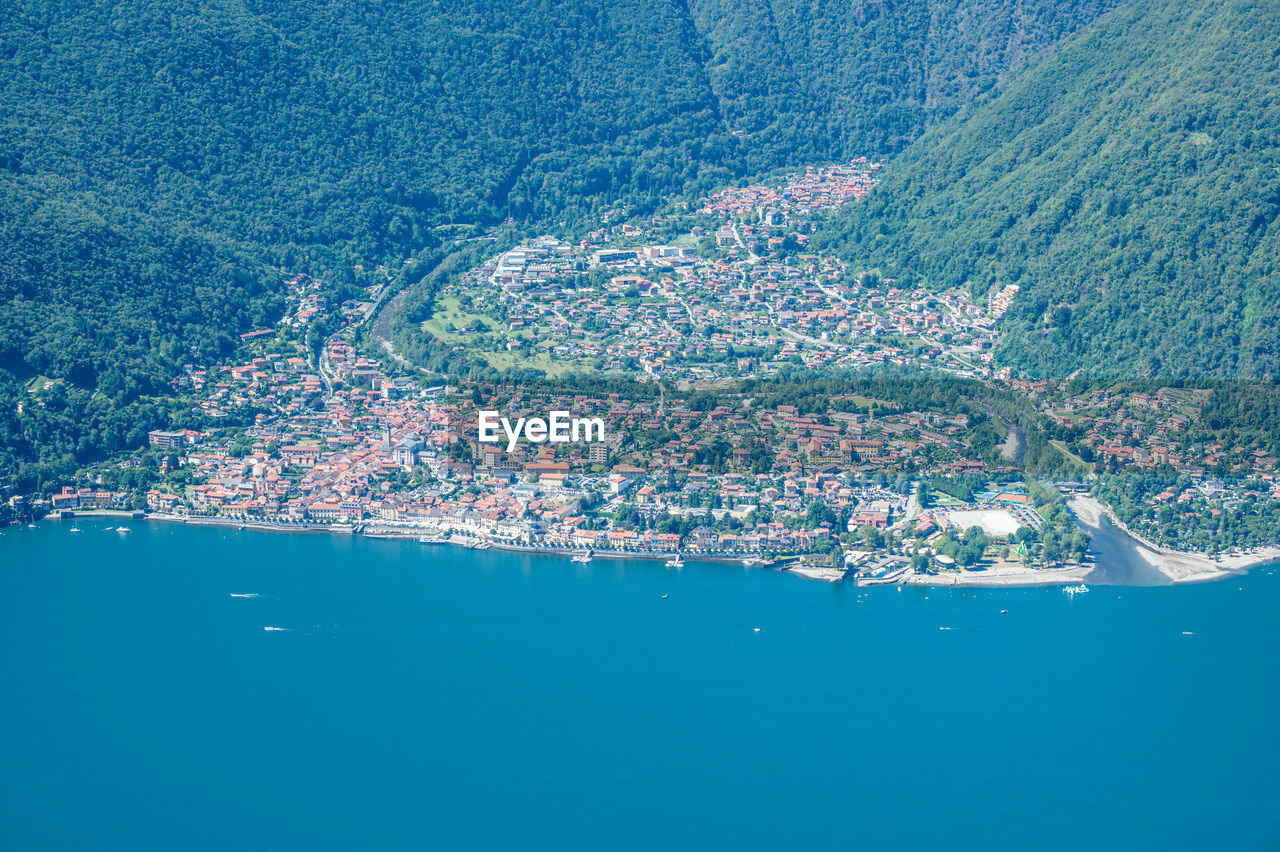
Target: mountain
(282, 123)
(165, 165)
(824, 78)
(286, 126)
(1127, 181)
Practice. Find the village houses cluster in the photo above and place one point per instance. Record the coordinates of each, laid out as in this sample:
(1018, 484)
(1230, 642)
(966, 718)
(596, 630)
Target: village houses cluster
(344, 438)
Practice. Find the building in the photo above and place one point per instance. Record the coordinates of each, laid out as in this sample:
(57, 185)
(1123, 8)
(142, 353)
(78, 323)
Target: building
(164, 440)
(406, 452)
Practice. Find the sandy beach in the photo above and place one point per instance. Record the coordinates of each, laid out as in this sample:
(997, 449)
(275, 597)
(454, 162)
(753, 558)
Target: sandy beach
(1178, 566)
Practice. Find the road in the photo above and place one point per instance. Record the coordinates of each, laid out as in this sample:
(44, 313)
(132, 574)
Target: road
(752, 257)
(379, 313)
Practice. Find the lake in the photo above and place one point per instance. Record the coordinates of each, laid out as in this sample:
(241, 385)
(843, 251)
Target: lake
(418, 696)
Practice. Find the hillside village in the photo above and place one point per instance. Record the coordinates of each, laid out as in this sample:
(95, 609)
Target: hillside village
(734, 295)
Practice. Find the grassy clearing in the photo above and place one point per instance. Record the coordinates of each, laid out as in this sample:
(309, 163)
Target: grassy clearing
(540, 361)
(863, 402)
(1062, 448)
(40, 384)
(449, 313)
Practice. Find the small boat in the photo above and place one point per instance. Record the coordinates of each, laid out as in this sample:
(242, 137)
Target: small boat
(123, 530)
(582, 558)
(1072, 591)
(75, 529)
(675, 563)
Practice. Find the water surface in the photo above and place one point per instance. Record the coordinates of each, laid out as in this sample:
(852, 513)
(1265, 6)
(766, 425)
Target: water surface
(430, 697)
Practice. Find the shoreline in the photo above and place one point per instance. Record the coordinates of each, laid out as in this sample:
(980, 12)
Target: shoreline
(414, 534)
(262, 526)
(1067, 575)
(96, 513)
(1179, 566)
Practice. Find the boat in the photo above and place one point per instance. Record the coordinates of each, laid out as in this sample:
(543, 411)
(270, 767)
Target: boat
(75, 529)
(1072, 591)
(675, 563)
(123, 530)
(584, 558)
(432, 539)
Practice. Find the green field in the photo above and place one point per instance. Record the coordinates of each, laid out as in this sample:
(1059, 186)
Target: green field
(540, 361)
(450, 313)
(39, 384)
(1062, 448)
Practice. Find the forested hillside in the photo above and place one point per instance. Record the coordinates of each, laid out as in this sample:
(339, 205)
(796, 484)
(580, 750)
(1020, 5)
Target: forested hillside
(164, 165)
(1129, 183)
(824, 78)
(290, 126)
(302, 124)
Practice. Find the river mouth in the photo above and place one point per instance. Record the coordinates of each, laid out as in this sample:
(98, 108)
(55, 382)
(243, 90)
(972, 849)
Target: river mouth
(1116, 557)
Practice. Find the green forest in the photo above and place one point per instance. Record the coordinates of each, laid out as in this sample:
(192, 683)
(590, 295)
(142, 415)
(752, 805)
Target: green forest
(817, 79)
(1128, 182)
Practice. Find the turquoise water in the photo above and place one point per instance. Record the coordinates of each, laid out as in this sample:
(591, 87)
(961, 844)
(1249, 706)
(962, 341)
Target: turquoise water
(425, 697)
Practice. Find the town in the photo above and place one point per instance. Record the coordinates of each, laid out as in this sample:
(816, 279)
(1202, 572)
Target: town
(691, 305)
